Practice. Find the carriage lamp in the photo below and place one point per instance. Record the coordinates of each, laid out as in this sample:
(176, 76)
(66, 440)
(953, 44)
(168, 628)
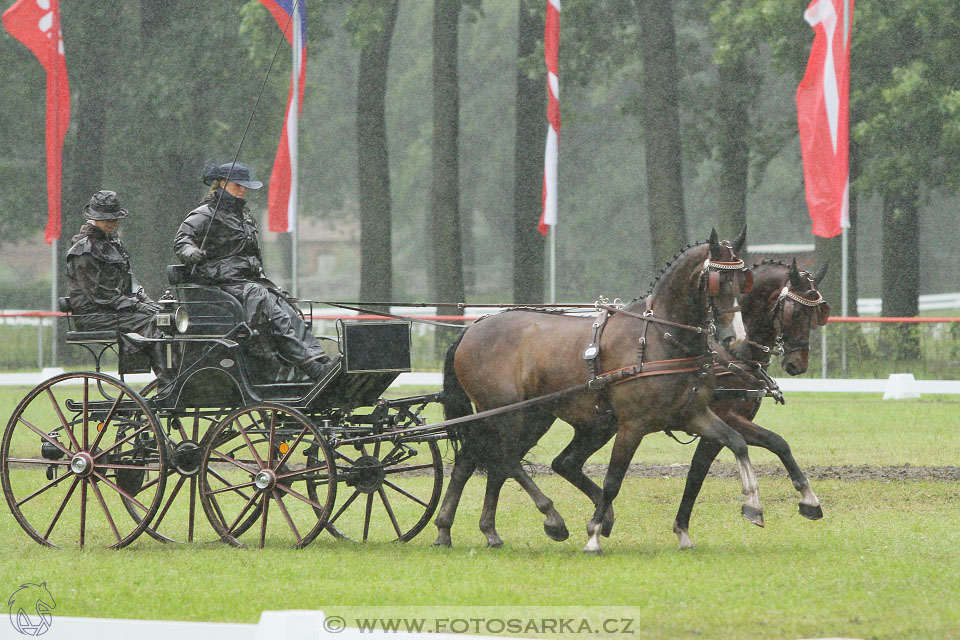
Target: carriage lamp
(177, 321)
(49, 451)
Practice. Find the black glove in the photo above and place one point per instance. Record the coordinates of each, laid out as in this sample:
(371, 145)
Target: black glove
(192, 255)
(150, 308)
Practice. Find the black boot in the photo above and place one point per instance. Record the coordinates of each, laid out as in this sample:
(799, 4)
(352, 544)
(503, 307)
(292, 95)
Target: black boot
(158, 362)
(318, 367)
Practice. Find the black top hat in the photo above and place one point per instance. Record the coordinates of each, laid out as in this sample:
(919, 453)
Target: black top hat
(234, 172)
(104, 205)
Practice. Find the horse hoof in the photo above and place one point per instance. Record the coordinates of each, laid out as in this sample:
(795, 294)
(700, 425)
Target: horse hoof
(812, 512)
(592, 552)
(752, 514)
(556, 533)
(495, 545)
(442, 544)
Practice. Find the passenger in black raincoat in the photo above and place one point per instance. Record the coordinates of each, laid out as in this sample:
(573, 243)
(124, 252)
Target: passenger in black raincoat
(219, 240)
(104, 294)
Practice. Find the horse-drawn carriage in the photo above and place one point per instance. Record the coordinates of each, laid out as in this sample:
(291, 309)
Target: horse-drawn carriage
(268, 455)
(272, 456)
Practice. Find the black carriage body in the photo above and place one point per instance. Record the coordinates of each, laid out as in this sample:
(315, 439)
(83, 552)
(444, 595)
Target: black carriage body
(224, 362)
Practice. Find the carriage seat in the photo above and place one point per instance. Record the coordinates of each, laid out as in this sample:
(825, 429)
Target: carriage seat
(178, 274)
(80, 337)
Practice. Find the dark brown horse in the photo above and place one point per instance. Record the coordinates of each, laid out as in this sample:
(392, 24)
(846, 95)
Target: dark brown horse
(662, 377)
(779, 314)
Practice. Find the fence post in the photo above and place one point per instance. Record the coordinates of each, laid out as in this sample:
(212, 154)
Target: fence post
(40, 344)
(823, 352)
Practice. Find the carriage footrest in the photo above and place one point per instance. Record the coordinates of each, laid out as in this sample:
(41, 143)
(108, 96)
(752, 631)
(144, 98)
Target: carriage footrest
(738, 394)
(91, 336)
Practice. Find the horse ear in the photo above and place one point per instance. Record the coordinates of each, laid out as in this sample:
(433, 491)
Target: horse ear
(715, 250)
(821, 273)
(794, 273)
(740, 240)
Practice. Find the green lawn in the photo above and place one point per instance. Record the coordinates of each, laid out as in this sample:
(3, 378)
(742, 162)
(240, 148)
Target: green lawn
(882, 563)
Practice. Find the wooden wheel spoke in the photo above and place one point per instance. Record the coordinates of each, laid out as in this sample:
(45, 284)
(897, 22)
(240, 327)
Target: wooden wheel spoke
(225, 458)
(300, 497)
(63, 420)
(122, 493)
(227, 483)
(49, 485)
(106, 421)
(86, 410)
(273, 427)
(405, 493)
(231, 487)
(119, 442)
(263, 522)
(168, 503)
(386, 505)
(47, 438)
(83, 512)
(286, 515)
(413, 467)
(289, 452)
(106, 511)
(60, 463)
(193, 508)
(242, 513)
(304, 471)
(344, 507)
(246, 438)
(368, 512)
(63, 505)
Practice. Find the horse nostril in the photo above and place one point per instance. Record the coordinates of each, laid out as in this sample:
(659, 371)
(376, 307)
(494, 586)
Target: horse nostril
(728, 342)
(790, 368)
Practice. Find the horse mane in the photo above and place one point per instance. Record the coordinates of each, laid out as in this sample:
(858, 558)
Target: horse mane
(666, 267)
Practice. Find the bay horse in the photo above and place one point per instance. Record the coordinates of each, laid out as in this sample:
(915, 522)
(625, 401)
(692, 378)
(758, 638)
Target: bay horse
(779, 313)
(652, 381)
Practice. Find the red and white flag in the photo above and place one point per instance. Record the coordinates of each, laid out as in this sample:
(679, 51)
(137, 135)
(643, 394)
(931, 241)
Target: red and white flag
(36, 23)
(282, 199)
(823, 114)
(551, 41)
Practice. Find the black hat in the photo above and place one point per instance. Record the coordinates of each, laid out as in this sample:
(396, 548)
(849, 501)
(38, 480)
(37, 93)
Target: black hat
(234, 172)
(104, 205)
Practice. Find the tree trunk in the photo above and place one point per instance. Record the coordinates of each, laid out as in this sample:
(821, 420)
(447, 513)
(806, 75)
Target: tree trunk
(733, 148)
(660, 112)
(900, 273)
(91, 60)
(446, 281)
(373, 169)
(530, 138)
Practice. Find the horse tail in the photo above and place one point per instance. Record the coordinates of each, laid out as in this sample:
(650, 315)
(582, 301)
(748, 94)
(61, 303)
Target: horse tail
(471, 440)
(454, 399)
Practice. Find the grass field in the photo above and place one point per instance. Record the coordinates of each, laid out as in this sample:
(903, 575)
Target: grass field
(883, 563)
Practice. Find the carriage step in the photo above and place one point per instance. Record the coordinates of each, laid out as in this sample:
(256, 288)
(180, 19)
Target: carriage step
(91, 336)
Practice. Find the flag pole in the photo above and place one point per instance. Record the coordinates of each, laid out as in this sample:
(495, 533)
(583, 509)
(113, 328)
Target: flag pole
(293, 137)
(844, 293)
(54, 294)
(553, 264)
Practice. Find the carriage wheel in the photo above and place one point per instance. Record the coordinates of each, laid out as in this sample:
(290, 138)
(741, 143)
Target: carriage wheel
(69, 448)
(184, 431)
(259, 466)
(391, 490)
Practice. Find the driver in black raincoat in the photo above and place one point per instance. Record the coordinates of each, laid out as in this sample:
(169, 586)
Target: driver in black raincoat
(104, 294)
(219, 239)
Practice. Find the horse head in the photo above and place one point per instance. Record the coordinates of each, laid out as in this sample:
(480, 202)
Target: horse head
(701, 286)
(726, 279)
(782, 309)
